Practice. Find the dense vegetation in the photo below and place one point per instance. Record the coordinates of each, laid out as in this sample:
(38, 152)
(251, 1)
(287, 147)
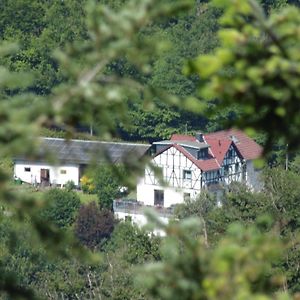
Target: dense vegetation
(119, 70)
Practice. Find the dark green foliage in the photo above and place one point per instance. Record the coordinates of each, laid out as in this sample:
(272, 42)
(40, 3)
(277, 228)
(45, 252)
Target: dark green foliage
(40, 28)
(184, 37)
(94, 226)
(110, 78)
(61, 207)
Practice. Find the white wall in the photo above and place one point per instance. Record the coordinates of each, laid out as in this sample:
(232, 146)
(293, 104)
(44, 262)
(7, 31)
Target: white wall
(145, 194)
(72, 172)
(173, 163)
(253, 177)
(141, 220)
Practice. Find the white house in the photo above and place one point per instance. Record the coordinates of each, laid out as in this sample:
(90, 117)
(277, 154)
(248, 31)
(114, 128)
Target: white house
(60, 161)
(190, 164)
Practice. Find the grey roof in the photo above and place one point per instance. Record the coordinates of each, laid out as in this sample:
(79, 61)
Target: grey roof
(84, 152)
(195, 145)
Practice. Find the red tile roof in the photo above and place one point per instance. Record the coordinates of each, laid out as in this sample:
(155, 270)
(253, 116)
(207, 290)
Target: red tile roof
(247, 147)
(204, 165)
(219, 143)
(218, 147)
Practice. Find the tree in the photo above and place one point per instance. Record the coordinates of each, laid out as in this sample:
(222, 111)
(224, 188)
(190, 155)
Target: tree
(240, 266)
(40, 28)
(61, 207)
(137, 245)
(90, 94)
(201, 207)
(257, 60)
(107, 186)
(94, 226)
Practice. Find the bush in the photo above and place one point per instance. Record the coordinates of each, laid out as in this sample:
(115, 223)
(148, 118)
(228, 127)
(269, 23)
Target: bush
(61, 207)
(70, 185)
(87, 185)
(94, 226)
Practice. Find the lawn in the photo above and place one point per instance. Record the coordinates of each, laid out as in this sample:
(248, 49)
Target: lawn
(38, 193)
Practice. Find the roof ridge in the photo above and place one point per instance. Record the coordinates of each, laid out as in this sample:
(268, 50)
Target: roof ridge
(92, 141)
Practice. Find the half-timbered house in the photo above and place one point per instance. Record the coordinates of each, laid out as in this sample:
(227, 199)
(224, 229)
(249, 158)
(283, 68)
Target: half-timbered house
(190, 164)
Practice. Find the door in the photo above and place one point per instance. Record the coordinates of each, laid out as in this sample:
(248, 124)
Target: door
(159, 198)
(45, 176)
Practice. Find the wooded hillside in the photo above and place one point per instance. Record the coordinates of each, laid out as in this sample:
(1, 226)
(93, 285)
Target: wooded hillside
(142, 70)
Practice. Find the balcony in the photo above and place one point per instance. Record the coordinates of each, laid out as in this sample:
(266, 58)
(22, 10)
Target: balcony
(137, 208)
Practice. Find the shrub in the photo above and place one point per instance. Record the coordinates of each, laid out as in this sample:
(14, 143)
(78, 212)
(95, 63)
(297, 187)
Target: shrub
(87, 185)
(61, 207)
(94, 226)
(107, 186)
(70, 185)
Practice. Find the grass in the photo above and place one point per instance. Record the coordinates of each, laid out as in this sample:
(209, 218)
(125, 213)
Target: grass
(39, 193)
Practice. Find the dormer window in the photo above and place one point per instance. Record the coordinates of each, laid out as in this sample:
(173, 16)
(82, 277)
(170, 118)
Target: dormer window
(203, 153)
(187, 174)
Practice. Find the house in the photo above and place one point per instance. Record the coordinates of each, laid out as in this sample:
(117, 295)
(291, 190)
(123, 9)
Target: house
(59, 161)
(190, 164)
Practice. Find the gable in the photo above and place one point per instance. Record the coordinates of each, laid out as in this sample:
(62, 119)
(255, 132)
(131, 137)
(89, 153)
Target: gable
(204, 165)
(246, 146)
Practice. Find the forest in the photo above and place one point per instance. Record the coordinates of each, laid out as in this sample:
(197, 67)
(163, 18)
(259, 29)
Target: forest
(141, 70)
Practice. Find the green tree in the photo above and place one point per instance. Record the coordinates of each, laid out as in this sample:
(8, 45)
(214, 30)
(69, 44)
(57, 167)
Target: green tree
(40, 28)
(256, 68)
(61, 207)
(91, 94)
(240, 266)
(107, 186)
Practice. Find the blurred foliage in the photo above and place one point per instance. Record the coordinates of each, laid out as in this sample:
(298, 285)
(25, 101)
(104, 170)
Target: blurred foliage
(240, 266)
(111, 69)
(20, 127)
(256, 68)
(273, 209)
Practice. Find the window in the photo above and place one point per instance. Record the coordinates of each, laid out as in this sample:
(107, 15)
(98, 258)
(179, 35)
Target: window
(187, 174)
(203, 153)
(27, 169)
(186, 196)
(63, 172)
(237, 167)
(211, 177)
(158, 197)
(231, 153)
(226, 170)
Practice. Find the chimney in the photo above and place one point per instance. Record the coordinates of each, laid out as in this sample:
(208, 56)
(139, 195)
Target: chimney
(199, 137)
(234, 139)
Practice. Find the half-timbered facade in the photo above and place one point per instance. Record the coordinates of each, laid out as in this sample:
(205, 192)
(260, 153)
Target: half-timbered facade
(187, 165)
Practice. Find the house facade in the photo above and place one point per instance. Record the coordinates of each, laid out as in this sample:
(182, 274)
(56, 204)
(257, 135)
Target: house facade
(188, 164)
(59, 161)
